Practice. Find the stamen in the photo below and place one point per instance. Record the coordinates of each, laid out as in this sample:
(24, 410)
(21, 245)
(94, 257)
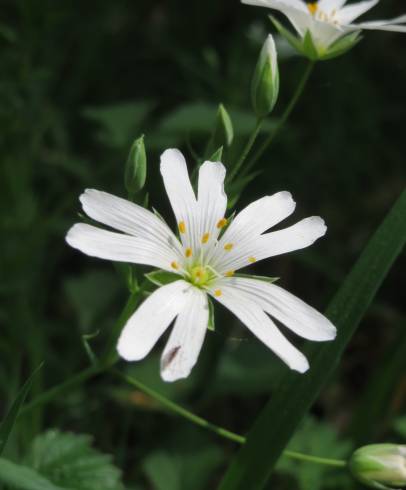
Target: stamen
(182, 227)
(205, 237)
(222, 223)
(174, 265)
(252, 260)
(312, 7)
(229, 274)
(188, 252)
(228, 247)
(218, 292)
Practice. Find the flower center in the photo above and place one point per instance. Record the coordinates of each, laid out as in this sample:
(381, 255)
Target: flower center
(200, 275)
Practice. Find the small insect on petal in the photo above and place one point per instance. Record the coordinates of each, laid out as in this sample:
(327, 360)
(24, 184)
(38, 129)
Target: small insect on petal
(228, 247)
(217, 292)
(182, 227)
(188, 252)
(205, 237)
(222, 223)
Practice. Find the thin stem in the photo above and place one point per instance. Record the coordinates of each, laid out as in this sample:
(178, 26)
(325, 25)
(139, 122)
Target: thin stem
(246, 149)
(226, 434)
(289, 108)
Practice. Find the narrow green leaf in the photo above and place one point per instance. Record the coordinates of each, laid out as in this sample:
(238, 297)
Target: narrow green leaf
(279, 419)
(23, 477)
(161, 277)
(217, 155)
(7, 424)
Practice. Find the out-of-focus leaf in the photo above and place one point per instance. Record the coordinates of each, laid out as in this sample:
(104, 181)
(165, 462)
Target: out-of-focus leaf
(69, 461)
(313, 438)
(186, 462)
(278, 420)
(24, 478)
(119, 122)
(90, 295)
(400, 426)
(7, 424)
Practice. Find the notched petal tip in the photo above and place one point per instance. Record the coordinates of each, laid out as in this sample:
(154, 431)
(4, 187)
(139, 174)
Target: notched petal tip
(319, 226)
(170, 156)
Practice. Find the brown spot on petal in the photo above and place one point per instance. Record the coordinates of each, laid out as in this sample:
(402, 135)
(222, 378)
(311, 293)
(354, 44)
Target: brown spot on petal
(169, 357)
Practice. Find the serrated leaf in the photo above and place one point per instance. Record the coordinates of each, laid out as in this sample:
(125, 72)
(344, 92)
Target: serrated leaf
(23, 477)
(161, 277)
(69, 461)
(278, 420)
(7, 424)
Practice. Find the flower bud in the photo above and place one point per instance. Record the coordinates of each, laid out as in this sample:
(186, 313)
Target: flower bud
(136, 167)
(223, 133)
(265, 82)
(380, 465)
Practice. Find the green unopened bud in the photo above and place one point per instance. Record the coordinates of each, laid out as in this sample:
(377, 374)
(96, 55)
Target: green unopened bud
(136, 167)
(223, 133)
(381, 466)
(265, 82)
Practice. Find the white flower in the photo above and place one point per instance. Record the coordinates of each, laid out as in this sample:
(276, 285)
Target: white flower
(205, 259)
(329, 20)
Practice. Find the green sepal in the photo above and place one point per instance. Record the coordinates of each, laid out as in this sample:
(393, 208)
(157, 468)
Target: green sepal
(211, 324)
(217, 155)
(309, 48)
(342, 46)
(269, 280)
(161, 277)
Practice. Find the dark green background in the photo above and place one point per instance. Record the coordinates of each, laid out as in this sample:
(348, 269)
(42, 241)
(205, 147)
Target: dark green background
(78, 82)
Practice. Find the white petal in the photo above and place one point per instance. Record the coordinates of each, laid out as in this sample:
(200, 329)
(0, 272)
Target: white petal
(181, 194)
(186, 339)
(329, 5)
(127, 217)
(118, 247)
(212, 200)
(324, 34)
(253, 220)
(349, 13)
(151, 319)
(252, 315)
(298, 236)
(392, 25)
(287, 308)
(295, 10)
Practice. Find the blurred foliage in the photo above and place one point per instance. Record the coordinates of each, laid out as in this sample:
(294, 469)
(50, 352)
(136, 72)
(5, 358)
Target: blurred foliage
(79, 82)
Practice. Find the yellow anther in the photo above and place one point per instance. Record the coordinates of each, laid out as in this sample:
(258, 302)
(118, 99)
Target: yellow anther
(222, 223)
(174, 265)
(229, 273)
(228, 247)
(252, 260)
(182, 227)
(188, 252)
(205, 237)
(312, 7)
(217, 292)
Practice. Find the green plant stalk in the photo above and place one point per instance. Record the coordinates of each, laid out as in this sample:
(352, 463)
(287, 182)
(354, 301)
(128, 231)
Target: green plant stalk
(220, 431)
(287, 112)
(246, 150)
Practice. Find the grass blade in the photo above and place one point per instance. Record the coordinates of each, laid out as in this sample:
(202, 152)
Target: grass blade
(277, 422)
(7, 424)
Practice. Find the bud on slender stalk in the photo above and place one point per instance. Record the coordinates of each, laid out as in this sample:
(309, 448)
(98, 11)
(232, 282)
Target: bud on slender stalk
(136, 168)
(265, 82)
(381, 466)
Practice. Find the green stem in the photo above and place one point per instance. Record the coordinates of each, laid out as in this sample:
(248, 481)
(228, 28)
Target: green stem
(289, 108)
(226, 434)
(246, 149)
